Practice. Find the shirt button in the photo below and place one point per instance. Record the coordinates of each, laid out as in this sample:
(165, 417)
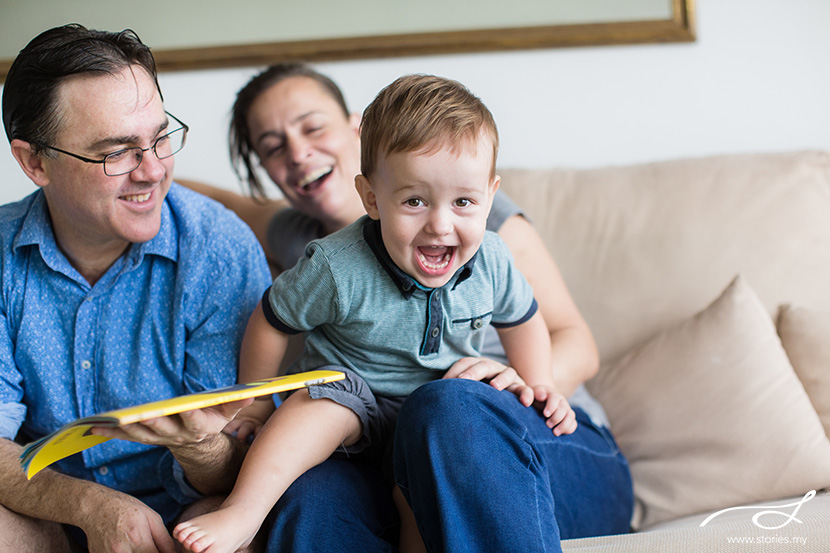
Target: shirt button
(103, 471)
(478, 323)
(435, 332)
(85, 364)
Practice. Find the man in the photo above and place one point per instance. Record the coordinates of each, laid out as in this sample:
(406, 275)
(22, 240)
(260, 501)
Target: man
(117, 287)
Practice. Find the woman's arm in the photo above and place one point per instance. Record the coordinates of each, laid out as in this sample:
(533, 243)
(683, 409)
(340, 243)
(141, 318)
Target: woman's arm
(574, 356)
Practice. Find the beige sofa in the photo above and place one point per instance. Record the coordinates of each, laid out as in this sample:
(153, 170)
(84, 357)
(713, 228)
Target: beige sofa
(707, 285)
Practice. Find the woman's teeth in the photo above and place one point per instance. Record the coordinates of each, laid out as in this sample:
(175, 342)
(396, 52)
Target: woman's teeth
(314, 176)
(138, 198)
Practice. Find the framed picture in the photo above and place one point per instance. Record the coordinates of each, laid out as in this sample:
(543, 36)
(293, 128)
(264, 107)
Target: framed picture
(210, 34)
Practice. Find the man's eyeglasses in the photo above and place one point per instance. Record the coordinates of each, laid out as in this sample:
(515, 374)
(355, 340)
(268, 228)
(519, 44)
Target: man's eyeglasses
(127, 160)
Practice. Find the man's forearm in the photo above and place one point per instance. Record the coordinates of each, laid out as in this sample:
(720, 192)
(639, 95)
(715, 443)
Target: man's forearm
(211, 466)
(49, 495)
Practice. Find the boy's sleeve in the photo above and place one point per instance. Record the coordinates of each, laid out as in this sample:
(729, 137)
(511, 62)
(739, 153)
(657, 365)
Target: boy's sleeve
(514, 302)
(305, 296)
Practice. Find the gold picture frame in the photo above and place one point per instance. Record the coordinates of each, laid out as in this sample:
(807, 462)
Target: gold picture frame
(679, 27)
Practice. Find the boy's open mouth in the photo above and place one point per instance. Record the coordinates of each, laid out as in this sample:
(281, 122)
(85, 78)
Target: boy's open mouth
(435, 259)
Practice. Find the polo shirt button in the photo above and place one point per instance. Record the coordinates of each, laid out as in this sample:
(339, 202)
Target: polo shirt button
(478, 323)
(435, 332)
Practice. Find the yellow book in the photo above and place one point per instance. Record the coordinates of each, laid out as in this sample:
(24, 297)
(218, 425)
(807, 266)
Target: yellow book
(76, 436)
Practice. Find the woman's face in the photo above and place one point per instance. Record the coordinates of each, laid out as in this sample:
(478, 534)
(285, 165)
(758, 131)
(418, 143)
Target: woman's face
(307, 145)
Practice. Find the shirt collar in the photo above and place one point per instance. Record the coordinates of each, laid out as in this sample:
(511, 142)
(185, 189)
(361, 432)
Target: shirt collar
(37, 231)
(405, 283)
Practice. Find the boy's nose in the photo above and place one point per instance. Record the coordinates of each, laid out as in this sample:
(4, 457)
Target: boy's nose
(439, 222)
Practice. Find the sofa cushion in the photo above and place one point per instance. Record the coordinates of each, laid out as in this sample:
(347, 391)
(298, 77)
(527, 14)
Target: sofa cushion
(645, 246)
(711, 415)
(805, 335)
(729, 532)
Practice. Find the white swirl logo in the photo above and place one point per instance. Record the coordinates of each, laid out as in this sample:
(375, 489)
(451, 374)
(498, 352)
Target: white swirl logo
(770, 511)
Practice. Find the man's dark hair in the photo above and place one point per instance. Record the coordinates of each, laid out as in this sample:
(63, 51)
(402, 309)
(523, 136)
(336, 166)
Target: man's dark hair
(30, 93)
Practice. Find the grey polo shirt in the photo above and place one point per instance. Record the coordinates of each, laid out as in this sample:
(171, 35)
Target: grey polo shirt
(363, 313)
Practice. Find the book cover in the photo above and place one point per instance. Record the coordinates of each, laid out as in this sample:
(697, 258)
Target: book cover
(76, 437)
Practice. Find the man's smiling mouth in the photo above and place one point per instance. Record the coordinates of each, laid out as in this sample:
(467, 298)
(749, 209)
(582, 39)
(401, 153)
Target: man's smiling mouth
(137, 198)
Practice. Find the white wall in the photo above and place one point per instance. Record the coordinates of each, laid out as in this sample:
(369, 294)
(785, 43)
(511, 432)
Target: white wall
(756, 79)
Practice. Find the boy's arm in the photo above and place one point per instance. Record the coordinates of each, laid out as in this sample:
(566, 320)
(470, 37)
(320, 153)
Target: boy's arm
(528, 350)
(263, 349)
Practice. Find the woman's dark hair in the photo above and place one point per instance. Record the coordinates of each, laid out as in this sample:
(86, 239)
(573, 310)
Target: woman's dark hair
(239, 138)
(30, 94)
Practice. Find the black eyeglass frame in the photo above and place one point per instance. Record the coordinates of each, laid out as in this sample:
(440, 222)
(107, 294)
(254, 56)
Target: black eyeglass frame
(152, 147)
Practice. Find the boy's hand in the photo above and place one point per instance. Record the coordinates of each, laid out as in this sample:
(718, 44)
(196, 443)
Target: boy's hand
(242, 427)
(248, 422)
(555, 408)
(500, 376)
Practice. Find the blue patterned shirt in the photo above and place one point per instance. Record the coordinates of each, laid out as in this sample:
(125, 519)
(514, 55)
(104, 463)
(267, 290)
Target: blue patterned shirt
(166, 319)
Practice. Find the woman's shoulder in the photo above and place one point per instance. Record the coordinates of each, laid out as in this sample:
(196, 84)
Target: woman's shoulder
(503, 208)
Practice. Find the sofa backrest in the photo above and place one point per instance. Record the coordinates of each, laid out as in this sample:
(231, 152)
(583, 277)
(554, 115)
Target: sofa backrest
(643, 247)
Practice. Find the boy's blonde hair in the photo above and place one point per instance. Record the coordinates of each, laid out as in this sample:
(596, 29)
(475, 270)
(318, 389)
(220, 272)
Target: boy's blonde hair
(423, 113)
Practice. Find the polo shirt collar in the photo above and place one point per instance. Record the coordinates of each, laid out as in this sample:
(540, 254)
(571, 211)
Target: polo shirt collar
(405, 283)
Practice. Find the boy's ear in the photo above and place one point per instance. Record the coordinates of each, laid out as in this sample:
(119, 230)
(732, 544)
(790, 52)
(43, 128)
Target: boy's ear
(31, 163)
(370, 201)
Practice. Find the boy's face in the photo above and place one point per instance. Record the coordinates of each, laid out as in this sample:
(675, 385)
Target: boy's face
(432, 207)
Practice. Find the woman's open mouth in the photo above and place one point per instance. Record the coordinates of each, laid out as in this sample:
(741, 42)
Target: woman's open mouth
(313, 180)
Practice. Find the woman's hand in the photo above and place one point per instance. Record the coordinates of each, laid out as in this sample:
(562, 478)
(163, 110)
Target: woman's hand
(500, 376)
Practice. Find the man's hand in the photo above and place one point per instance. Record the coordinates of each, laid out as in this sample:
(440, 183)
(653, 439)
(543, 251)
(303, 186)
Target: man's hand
(120, 523)
(189, 427)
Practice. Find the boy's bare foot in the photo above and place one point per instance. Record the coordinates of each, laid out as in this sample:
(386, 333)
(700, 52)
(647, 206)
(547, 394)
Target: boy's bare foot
(225, 530)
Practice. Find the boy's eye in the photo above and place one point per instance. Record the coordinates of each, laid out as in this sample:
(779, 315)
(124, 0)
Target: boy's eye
(413, 202)
(462, 202)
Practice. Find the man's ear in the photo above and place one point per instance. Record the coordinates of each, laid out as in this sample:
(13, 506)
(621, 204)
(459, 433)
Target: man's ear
(31, 163)
(370, 201)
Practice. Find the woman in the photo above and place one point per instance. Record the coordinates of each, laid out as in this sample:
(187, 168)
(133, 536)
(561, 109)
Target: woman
(483, 472)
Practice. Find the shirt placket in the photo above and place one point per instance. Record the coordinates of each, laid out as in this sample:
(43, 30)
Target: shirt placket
(86, 389)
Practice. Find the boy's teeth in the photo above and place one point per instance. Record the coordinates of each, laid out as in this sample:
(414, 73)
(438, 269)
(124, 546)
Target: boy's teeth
(140, 198)
(314, 175)
(436, 261)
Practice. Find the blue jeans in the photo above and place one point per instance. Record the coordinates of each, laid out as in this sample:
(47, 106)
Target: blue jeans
(481, 472)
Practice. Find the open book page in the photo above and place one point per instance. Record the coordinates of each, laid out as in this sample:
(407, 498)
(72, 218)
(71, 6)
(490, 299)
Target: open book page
(76, 436)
